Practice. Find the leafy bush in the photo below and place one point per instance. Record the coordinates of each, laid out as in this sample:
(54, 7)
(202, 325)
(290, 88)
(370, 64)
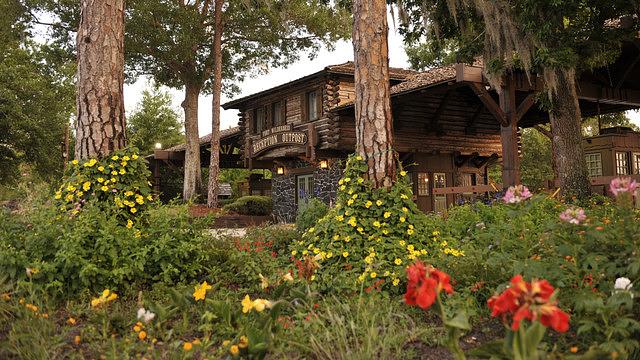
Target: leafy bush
(371, 235)
(94, 248)
(309, 215)
(251, 205)
(120, 181)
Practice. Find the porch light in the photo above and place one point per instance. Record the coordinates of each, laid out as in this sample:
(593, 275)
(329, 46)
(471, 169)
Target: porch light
(280, 170)
(324, 163)
(158, 146)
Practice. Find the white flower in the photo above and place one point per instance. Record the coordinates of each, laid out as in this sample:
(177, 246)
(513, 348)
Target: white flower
(145, 315)
(623, 283)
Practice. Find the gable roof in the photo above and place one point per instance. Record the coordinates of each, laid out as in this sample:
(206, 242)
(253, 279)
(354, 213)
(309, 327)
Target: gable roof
(226, 133)
(346, 68)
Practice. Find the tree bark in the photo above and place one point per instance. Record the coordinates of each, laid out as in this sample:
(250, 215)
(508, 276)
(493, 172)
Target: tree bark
(567, 135)
(214, 164)
(192, 172)
(374, 124)
(100, 125)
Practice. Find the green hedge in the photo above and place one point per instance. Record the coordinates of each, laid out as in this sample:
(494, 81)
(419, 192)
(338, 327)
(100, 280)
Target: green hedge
(251, 205)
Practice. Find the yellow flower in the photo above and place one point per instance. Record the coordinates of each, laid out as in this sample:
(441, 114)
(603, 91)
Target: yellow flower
(402, 219)
(69, 197)
(410, 247)
(76, 339)
(134, 156)
(347, 179)
(361, 278)
(404, 209)
(114, 157)
(137, 328)
(261, 304)
(140, 200)
(379, 202)
(113, 180)
(100, 180)
(403, 196)
(387, 214)
(360, 180)
(401, 242)
(149, 197)
(244, 342)
(350, 202)
(340, 182)
(359, 158)
(101, 168)
(123, 171)
(368, 204)
(376, 224)
(345, 253)
(342, 187)
(398, 261)
(264, 283)
(352, 221)
(125, 158)
(347, 238)
(71, 188)
(187, 346)
(142, 335)
(293, 252)
(360, 229)
(58, 195)
(129, 224)
(410, 231)
(124, 163)
(86, 186)
(75, 162)
(133, 210)
(201, 291)
(71, 321)
(373, 275)
(226, 343)
(339, 218)
(396, 282)
(106, 297)
(403, 173)
(234, 350)
(114, 172)
(104, 188)
(247, 304)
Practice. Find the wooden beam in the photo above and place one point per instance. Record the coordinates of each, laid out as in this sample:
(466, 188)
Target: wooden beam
(469, 128)
(524, 106)
(606, 95)
(543, 131)
(468, 73)
(509, 133)
(488, 102)
(433, 124)
(629, 69)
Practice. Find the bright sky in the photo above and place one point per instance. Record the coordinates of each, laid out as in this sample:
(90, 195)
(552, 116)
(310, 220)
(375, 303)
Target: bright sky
(343, 52)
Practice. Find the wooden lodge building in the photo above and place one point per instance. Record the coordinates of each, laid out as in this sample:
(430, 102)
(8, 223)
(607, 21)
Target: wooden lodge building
(449, 126)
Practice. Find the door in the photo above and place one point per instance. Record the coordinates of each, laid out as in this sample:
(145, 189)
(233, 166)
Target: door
(423, 194)
(439, 201)
(305, 189)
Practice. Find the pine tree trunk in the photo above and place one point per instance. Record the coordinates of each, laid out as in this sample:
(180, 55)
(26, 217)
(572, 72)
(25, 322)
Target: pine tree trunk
(192, 172)
(374, 125)
(214, 164)
(100, 126)
(567, 135)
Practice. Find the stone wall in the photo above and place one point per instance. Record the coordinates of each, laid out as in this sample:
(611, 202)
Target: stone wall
(284, 187)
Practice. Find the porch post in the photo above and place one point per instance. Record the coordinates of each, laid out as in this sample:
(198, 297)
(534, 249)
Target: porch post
(509, 133)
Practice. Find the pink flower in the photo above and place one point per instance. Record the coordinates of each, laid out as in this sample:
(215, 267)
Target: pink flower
(516, 194)
(573, 216)
(621, 185)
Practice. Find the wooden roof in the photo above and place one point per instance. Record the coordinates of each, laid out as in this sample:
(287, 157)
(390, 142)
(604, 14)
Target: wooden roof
(347, 68)
(204, 140)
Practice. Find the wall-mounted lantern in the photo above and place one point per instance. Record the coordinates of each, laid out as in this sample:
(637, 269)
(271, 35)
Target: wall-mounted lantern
(280, 170)
(324, 163)
(158, 146)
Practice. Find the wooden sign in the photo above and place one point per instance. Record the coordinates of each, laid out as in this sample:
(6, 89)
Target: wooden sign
(277, 129)
(278, 139)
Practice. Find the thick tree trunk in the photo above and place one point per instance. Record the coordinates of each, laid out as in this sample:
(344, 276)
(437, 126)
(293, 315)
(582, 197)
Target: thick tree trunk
(100, 126)
(214, 164)
(567, 135)
(374, 125)
(192, 171)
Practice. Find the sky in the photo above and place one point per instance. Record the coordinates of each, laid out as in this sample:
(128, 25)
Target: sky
(343, 52)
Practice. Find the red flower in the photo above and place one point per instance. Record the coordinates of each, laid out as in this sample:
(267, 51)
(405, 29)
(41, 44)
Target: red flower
(529, 301)
(424, 284)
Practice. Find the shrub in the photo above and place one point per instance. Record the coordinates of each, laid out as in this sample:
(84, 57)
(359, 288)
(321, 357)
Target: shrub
(309, 215)
(371, 235)
(120, 181)
(251, 205)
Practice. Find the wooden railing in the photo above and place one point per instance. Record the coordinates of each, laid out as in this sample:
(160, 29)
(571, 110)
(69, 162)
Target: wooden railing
(475, 189)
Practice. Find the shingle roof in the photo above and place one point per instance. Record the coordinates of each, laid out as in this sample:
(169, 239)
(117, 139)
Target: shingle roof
(207, 138)
(346, 68)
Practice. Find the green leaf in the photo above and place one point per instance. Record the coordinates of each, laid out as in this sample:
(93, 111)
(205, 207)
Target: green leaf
(460, 321)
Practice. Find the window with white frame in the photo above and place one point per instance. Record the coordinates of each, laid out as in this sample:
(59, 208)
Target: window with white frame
(622, 163)
(636, 163)
(423, 184)
(312, 105)
(594, 164)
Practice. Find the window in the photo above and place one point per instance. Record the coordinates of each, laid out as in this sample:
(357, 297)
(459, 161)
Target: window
(636, 163)
(423, 184)
(622, 163)
(305, 189)
(468, 179)
(260, 120)
(312, 105)
(594, 164)
(439, 201)
(278, 113)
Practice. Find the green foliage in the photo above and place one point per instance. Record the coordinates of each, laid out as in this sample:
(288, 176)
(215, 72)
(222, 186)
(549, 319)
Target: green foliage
(154, 121)
(119, 182)
(536, 164)
(590, 124)
(308, 215)
(370, 236)
(251, 205)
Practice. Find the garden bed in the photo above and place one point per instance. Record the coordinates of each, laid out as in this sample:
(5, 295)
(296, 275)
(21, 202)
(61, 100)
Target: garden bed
(225, 219)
